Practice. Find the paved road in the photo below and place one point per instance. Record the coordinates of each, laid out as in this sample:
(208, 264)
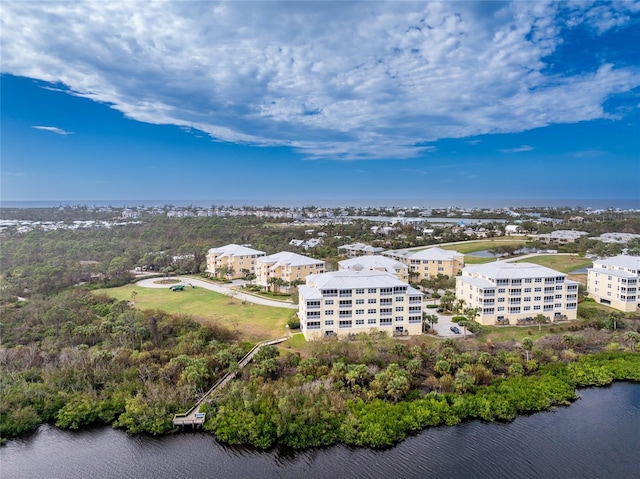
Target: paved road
(225, 289)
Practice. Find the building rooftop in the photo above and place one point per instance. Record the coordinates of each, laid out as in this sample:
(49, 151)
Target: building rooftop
(509, 270)
(235, 250)
(374, 262)
(287, 258)
(625, 261)
(348, 279)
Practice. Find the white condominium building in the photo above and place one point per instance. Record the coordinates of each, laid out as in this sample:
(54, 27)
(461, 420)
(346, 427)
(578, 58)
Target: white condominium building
(376, 263)
(511, 291)
(614, 282)
(235, 258)
(340, 303)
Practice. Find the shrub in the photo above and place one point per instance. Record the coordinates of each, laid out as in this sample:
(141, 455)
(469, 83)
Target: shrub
(294, 323)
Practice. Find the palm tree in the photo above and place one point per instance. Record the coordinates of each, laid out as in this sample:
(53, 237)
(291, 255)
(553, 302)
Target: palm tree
(446, 302)
(540, 319)
(527, 345)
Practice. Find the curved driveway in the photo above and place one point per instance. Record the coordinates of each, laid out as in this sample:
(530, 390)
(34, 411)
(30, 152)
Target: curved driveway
(225, 289)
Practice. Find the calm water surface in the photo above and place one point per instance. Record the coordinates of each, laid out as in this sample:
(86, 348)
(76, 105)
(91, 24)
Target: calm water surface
(596, 437)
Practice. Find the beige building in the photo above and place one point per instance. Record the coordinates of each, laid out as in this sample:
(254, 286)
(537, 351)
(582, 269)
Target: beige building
(289, 267)
(430, 262)
(376, 263)
(514, 291)
(341, 303)
(614, 282)
(233, 260)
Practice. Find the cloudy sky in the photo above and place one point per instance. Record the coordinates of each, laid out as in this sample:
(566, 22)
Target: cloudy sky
(299, 101)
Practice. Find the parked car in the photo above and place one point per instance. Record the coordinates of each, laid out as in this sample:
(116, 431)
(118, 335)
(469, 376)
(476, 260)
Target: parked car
(455, 329)
(440, 310)
(177, 287)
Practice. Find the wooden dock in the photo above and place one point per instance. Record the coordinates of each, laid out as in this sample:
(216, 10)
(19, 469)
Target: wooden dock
(193, 417)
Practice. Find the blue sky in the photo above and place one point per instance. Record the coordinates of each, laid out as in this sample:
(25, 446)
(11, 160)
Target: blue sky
(360, 102)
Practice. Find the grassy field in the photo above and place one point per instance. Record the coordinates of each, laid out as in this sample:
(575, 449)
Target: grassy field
(473, 246)
(561, 262)
(252, 321)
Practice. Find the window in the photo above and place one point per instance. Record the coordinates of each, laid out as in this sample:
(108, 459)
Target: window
(399, 319)
(385, 321)
(538, 289)
(572, 305)
(415, 319)
(313, 324)
(345, 324)
(527, 290)
(526, 308)
(399, 299)
(360, 291)
(329, 312)
(313, 304)
(371, 321)
(536, 307)
(345, 303)
(328, 302)
(359, 301)
(359, 322)
(359, 311)
(558, 296)
(313, 314)
(399, 309)
(501, 300)
(500, 308)
(372, 290)
(372, 311)
(537, 298)
(501, 290)
(372, 301)
(527, 299)
(328, 322)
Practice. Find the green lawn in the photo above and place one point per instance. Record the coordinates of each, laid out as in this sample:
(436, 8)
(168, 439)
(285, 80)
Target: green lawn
(473, 246)
(559, 262)
(253, 321)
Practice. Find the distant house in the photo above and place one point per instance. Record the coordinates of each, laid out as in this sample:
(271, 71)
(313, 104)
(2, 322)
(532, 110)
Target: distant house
(289, 267)
(233, 259)
(614, 282)
(358, 249)
(376, 263)
(560, 236)
(512, 230)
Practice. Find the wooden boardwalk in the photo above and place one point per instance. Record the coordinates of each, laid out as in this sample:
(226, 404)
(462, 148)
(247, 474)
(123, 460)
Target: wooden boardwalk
(193, 417)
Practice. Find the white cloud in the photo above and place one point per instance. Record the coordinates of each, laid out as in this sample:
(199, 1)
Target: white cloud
(520, 149)
(344, 80)
(53, 129)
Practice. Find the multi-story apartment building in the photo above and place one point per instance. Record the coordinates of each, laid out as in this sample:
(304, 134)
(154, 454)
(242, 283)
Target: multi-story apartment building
(340, 303)
(512, 291)
(289, 267)
(430, 262)
(614, 282)
(376, 263)
(233, 259)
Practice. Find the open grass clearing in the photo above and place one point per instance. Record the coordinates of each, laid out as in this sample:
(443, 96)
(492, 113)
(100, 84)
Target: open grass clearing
(253, 322)
(481, 245)
(560, 262)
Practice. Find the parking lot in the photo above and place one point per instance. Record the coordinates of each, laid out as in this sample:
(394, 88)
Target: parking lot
(444, 324)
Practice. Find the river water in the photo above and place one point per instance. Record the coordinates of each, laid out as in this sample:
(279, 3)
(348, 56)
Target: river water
(596, 437)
